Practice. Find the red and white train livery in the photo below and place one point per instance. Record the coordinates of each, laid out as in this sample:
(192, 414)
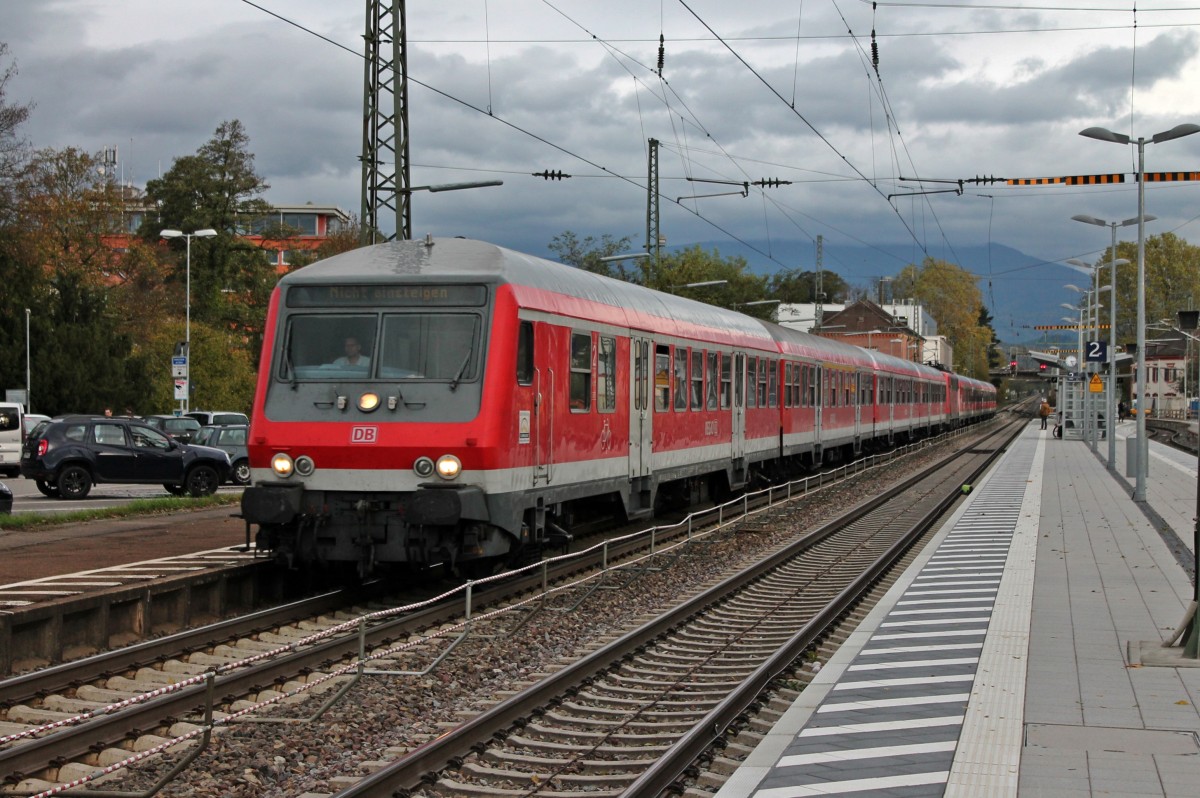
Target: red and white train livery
(496, 398)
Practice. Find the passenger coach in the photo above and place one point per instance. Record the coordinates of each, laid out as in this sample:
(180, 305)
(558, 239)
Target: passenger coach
(497, 398)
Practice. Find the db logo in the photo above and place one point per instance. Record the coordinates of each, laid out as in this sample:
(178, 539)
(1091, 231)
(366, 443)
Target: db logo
(364, 434)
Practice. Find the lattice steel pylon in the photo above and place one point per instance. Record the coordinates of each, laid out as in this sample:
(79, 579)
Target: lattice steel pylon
(385, 168)
(653, 232)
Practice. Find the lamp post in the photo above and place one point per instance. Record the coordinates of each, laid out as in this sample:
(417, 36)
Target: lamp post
(1191, 641)
(28, 387)
(1102, 134)
(184, 405)
(1111, 387)
(737, 305)
(701, 284)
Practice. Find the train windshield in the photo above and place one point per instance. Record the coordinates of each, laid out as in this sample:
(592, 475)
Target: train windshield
(412, 346)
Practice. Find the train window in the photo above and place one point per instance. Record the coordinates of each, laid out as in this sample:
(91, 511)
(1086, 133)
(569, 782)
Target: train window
(606, 376)
(764, 365)
(751, 381)
(442, 346)
(773, 384)
(796, 386)
(787, 383)
(713, 371)
(581, 372)
(680, 378)
(525, 353)
(641, 354)
(318, 347)
(726, 380)
(697, 379)
(662, 378)
(739, 380)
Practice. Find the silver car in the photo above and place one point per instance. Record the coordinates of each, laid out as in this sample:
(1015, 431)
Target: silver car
(232, 441)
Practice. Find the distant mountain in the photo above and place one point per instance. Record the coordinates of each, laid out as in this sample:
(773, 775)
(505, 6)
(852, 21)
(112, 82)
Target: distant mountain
(1020, 291)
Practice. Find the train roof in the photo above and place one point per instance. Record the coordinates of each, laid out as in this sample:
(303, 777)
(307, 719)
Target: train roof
(538, 284)
(552, 287)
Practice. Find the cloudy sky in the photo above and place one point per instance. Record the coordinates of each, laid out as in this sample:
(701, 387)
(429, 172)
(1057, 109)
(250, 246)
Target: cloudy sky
(749, 90)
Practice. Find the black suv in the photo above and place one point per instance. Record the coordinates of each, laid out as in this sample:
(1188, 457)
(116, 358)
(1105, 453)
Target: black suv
(69, 455)
(181, 428)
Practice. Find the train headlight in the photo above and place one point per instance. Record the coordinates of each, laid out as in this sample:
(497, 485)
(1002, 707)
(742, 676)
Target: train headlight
(368, 402)
(282, 465)
(305, 465)
(423, 467)
(449, 466)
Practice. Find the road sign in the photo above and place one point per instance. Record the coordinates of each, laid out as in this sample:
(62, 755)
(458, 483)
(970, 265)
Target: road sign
(181, 388)
(1096, 352)
(1096, 385)
(179, 367)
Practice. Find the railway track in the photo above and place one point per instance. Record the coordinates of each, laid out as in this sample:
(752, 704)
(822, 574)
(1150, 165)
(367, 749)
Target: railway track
(633, 717)
(112, 729)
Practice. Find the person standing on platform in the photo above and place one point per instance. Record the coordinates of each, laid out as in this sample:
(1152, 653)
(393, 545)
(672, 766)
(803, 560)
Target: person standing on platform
(1044, 412)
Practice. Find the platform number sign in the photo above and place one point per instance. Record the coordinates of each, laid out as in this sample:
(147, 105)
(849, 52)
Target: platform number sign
(1097, 352)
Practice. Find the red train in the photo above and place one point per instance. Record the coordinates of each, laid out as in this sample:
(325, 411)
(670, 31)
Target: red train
(452, 402)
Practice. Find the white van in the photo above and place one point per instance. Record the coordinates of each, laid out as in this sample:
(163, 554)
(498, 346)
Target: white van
(12, 435)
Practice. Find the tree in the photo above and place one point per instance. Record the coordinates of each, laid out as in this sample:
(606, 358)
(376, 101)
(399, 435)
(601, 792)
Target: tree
(587, 254)
(342, 240)
(952, 297)
(12, 146)
(215, 188)
(64, 210)
(695, 265)
(801, 287)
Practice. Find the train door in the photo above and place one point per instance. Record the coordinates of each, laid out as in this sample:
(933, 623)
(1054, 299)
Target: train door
(640, 413)
(818, 376)
(859, 380)
(738, 424)
(545, 350)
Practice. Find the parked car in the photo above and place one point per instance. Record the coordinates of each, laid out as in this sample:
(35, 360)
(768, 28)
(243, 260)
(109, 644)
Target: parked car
(69, 455)
(181, 428)
(218, 418)
(12, 433)
(232, 441)
(32, 420)
(5, 499)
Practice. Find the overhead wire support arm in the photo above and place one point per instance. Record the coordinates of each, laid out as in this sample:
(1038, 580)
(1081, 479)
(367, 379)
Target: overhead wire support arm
(960, 183)
(745, 192)
(766, 182)
(958, 191)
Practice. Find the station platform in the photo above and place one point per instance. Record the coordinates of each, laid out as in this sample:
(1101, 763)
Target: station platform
(1022, 653)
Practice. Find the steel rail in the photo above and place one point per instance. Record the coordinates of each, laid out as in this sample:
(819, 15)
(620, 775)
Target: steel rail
(410, 772)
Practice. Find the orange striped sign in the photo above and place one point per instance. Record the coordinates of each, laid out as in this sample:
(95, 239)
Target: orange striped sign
(1160, 177)
(1069, 180)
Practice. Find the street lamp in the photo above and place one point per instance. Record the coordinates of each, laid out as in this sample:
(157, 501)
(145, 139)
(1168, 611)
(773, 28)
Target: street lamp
(187, 331)
(627, 256)
(702, 284)
(1191, 642)
(28, 387)
(1113, 263)
(756, 302)
(1102, 134)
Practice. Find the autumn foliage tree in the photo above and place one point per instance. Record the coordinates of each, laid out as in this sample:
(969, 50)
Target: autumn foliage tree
(952, 297)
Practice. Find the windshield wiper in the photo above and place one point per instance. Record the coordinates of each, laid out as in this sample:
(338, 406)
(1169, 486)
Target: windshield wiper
(287, 362)
(462, 368)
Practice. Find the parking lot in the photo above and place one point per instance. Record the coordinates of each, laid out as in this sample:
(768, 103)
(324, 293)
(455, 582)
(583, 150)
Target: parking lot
(27, 499)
